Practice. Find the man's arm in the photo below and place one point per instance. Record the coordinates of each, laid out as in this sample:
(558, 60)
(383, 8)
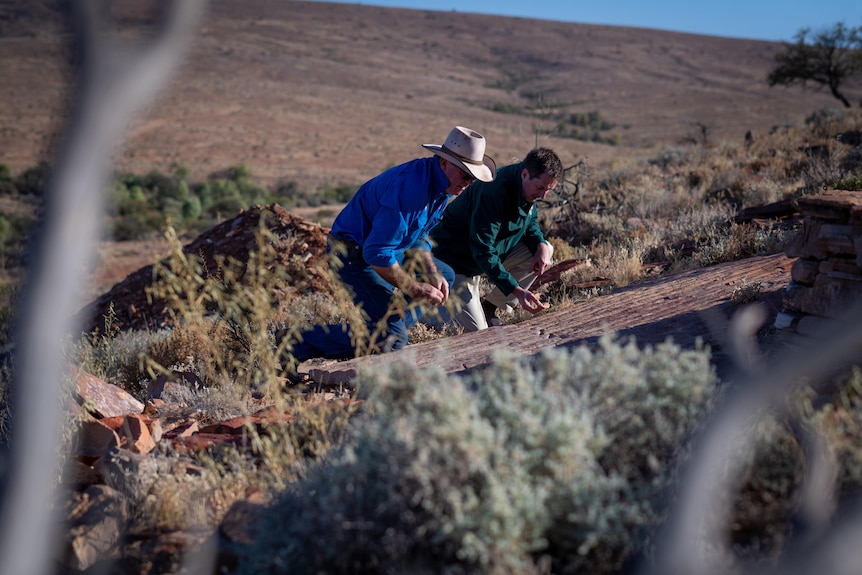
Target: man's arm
(488, 216)
(396, 275)
(540, 262)
(533, 235)
(542, 258)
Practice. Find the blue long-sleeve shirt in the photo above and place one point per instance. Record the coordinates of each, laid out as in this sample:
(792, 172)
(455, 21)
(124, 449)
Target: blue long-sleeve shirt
(394, 211)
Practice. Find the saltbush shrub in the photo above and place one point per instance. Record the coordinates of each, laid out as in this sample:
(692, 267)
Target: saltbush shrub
(559, 459)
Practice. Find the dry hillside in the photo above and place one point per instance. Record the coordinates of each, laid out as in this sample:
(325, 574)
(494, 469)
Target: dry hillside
(318, 92)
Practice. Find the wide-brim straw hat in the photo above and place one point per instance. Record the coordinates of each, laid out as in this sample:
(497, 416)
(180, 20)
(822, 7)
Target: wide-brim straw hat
(466, 149)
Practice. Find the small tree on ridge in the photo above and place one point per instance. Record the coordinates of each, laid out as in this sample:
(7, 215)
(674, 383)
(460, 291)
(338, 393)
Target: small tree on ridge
(832, 56)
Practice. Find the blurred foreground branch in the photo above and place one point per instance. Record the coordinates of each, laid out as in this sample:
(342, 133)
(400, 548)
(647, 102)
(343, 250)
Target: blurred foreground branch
(114, 78)
(695, 533)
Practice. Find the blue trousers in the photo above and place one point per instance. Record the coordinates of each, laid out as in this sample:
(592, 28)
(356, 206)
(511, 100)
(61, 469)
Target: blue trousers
(374, 295)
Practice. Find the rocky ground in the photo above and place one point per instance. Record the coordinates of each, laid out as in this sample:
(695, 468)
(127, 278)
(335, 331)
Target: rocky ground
(299, 243)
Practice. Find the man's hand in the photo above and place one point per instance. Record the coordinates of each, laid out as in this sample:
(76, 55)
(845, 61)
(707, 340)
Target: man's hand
(434, 294)
(541, 259)
(434, 277)
(441, 284)
(529, 301)
(428, 292)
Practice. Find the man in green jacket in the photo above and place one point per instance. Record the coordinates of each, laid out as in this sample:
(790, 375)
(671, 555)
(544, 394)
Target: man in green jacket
(491, 229)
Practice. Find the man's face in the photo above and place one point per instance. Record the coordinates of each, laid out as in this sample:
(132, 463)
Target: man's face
(537, 188)
(458, 178)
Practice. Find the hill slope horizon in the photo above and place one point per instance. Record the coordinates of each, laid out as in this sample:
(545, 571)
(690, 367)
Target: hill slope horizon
(326, 94)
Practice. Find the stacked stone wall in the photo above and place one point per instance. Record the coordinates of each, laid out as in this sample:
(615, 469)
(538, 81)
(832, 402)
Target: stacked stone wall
(827, 274)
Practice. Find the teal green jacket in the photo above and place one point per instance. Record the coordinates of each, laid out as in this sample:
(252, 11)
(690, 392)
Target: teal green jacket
(481, 226)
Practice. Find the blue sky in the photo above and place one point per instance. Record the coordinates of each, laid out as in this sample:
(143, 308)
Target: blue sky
(756, 19)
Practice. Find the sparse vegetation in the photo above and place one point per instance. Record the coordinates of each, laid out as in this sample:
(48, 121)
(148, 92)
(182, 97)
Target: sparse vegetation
(583, 126)
(852, 184)
(460, 472)
(142, 205)
(565, 462)
(746, 292)
(139, 206)
(678, 208)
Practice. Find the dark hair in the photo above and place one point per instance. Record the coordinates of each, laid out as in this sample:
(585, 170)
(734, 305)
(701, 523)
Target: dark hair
(541, 160)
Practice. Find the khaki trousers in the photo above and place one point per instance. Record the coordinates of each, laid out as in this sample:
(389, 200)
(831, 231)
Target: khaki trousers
(466, 290)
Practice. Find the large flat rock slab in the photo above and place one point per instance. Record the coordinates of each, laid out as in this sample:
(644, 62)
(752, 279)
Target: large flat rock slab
(684, 306)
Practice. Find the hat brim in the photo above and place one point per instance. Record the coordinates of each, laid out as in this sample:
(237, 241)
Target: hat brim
(484, 172)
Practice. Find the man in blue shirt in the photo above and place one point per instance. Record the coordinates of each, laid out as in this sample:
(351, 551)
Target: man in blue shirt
(389, 215)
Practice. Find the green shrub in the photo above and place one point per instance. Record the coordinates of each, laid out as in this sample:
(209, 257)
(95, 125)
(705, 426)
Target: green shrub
(138, 206)
(32, 181)
(131, 227)
(587, 127)
(230, 190)
(289, 195)
(285, 192)
(562, 458)
(591, 120)
(507, 108)
(6, 230)
(7, 184)
(337, 195)
(192, 208)
(15, 232)
(852, 184)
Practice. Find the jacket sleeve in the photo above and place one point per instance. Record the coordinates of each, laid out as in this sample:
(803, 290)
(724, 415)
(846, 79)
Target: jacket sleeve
(488, 215)
(533, 235)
